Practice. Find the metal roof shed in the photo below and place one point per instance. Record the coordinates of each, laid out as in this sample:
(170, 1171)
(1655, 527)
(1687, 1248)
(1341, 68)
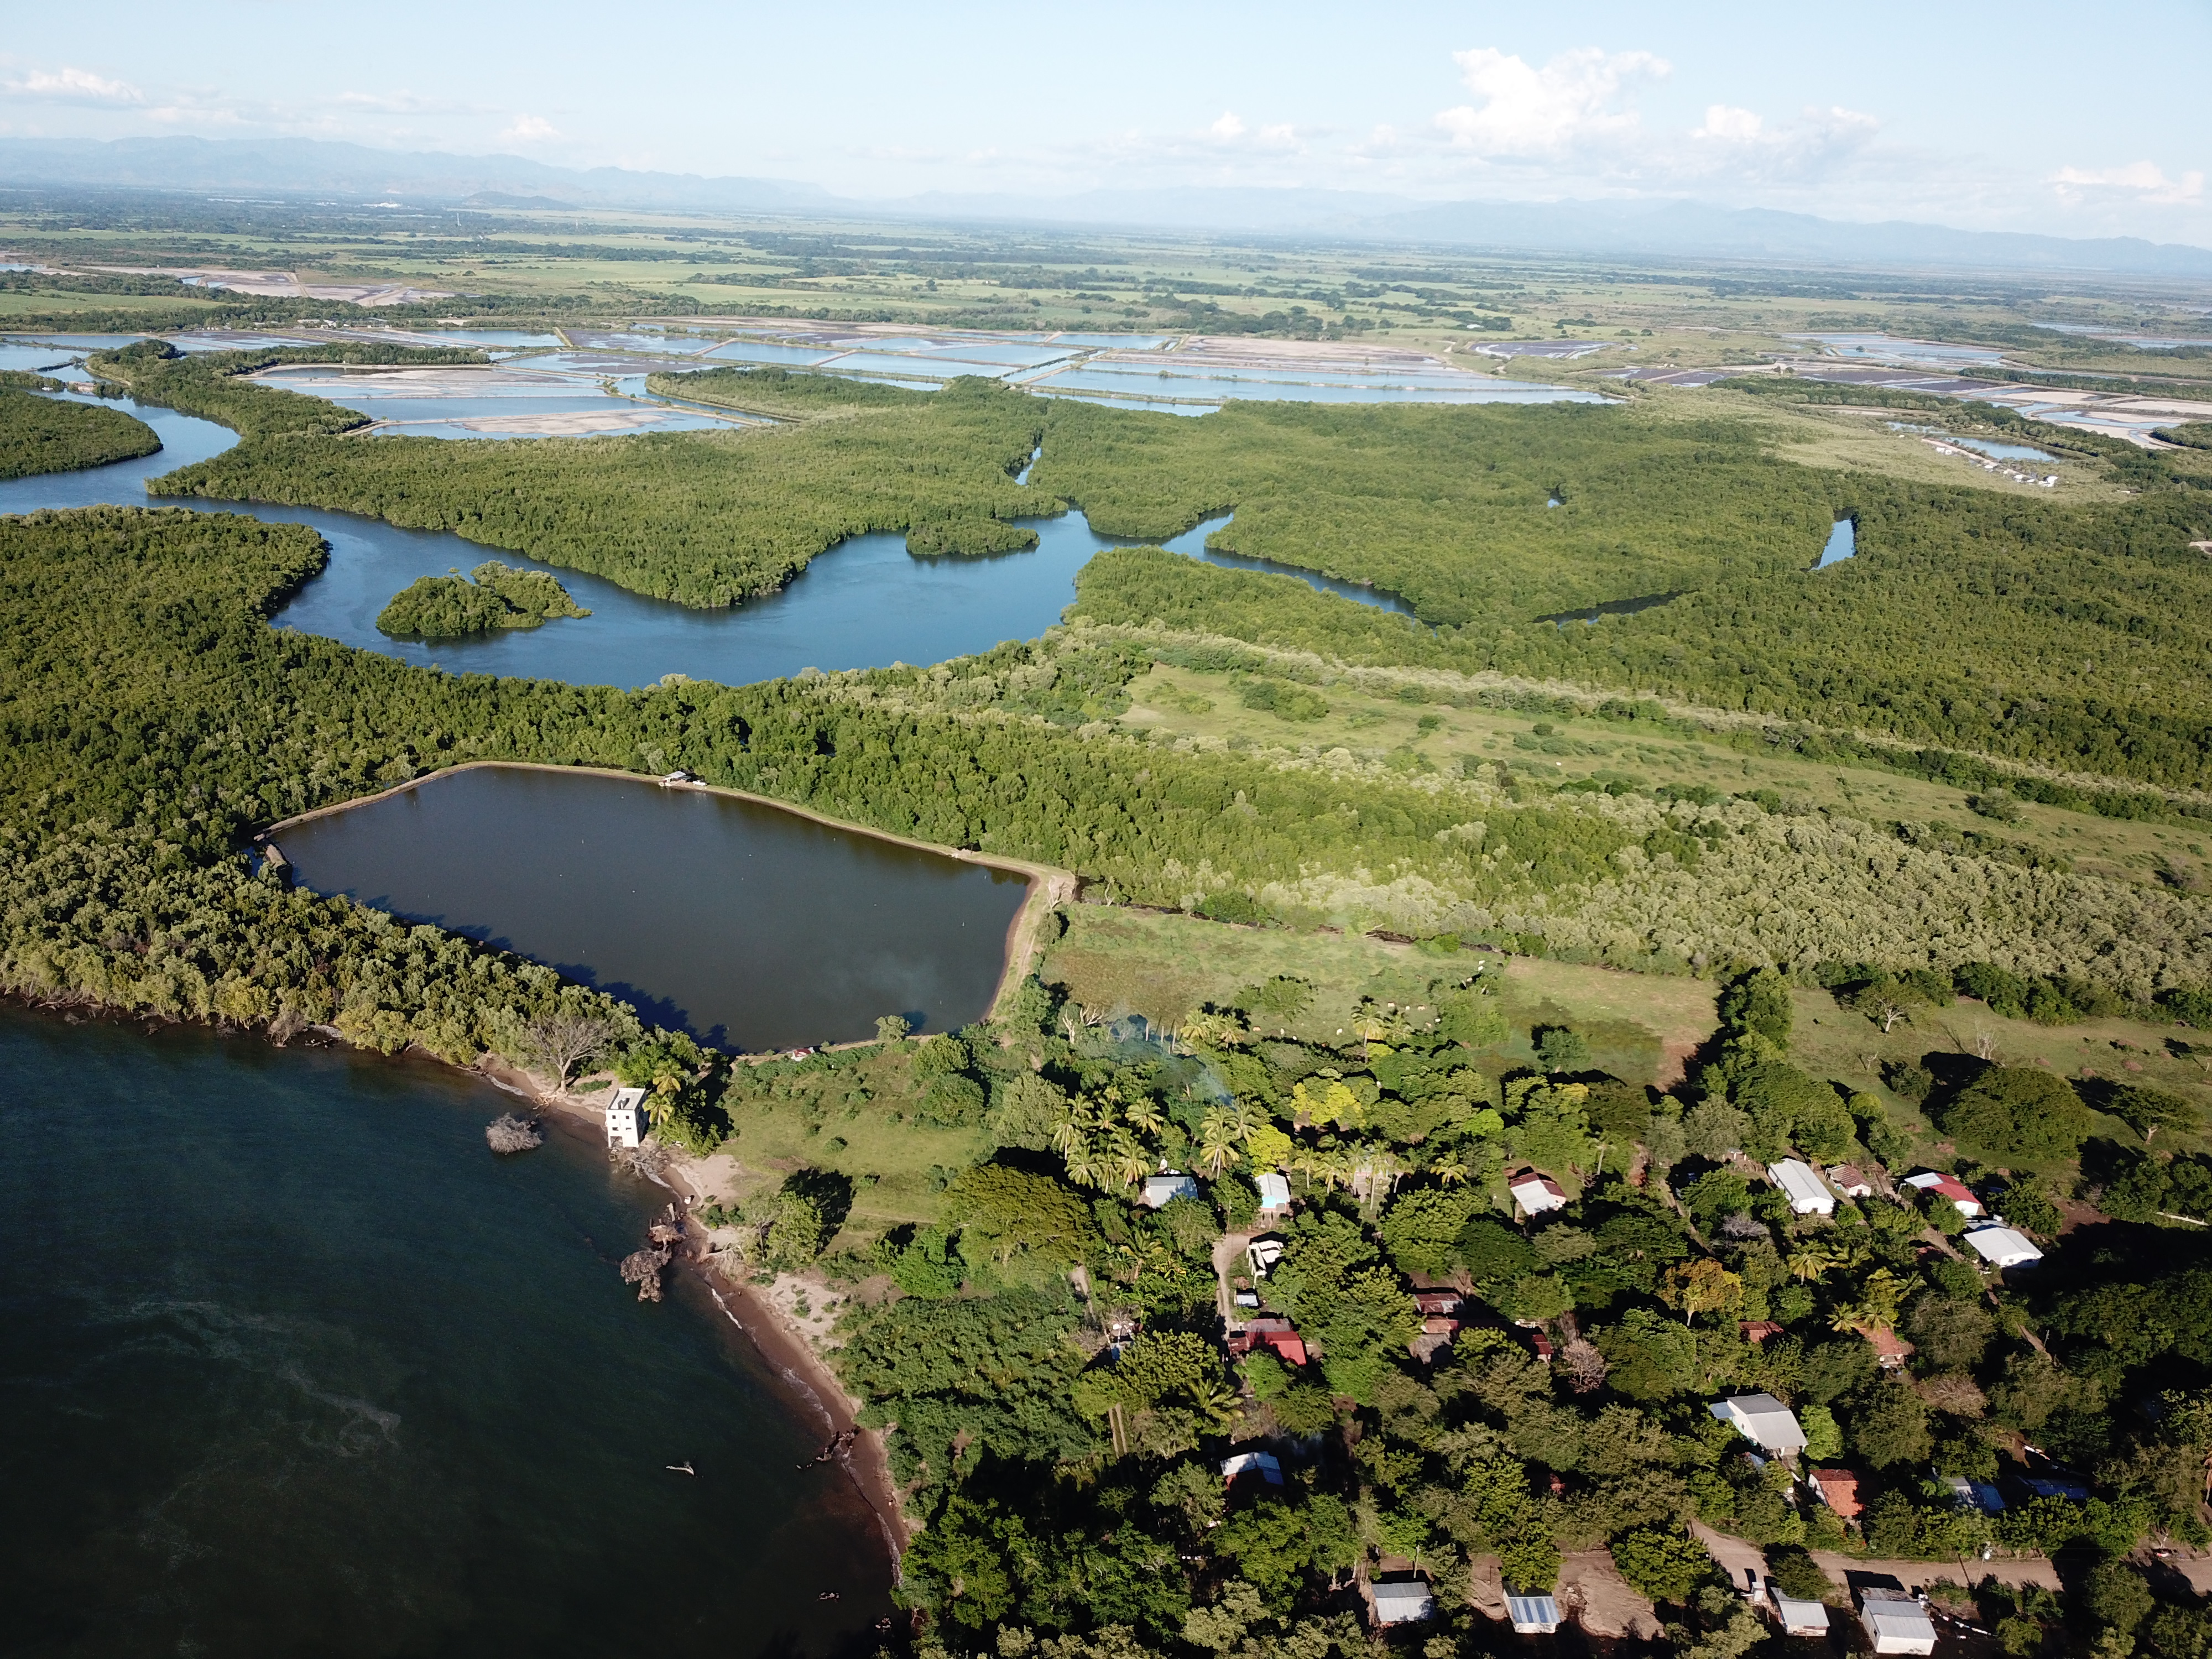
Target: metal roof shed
(1896, 1623)
(1808, 1193)
(1403, 1602)
(2003, 1247)
(1531, 1615)
(1798, 1618)
(1763, 1420)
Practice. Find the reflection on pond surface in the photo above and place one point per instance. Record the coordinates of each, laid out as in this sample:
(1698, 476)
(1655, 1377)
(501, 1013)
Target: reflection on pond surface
(1843, 543)
(747, 924)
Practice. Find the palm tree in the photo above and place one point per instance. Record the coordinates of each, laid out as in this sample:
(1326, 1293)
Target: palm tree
(1218, 1134)
(1810, 1261)
(1084, 1166)
(1126, 1160)
(1218, 1402)
(1142, 1115)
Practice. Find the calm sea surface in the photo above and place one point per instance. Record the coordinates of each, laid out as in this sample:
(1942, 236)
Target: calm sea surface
(293, 1364)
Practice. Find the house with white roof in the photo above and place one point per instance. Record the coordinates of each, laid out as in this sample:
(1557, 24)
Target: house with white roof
(1896, 1622)
(1533, 1614)
(1274, 1190)
(1166, 1187)
(1799, 1618)
(2003, 1247)
(1402, 1600)
(1261, 1254)
(1808, 1193)
(1536, 1193)
(1763, 1420)
(1263, 1464)
(625, 1109)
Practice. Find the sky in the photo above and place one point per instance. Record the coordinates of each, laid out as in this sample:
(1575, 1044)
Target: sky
(2064, 119)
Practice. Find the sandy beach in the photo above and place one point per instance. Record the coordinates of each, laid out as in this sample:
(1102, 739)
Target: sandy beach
(764, 1314)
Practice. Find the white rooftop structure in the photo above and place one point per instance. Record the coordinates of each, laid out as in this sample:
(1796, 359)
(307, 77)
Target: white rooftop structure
(1536, 1193)
(1808, 1193)
(1896, 1623)
(1263, 1464)
(2002, 1247)
(1531, 1615)
(1763, 1420)
(1261, 1254)
(1274, 1190)
(1798, 1618)
(625, 1107)
(1166, 1187)
(1403, 1602)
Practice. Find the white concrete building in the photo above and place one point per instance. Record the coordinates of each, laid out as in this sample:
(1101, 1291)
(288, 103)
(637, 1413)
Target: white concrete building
(1808, 1193)
(2002, 1247)
(1261, 1254)
(625, 1112)
(1798, 1618)
(1896, 1623)
(1536, 1193)
(1763, 1420)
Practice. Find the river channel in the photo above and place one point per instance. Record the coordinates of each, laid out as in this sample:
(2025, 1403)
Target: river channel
(296, 1366)
(865, 603)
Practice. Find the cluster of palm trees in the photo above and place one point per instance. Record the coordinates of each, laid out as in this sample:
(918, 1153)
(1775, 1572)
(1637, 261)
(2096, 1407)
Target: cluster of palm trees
(1880, 1296)
(1108, 1138)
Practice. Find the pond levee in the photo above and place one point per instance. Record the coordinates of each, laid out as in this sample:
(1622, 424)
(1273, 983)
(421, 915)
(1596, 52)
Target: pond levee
(693, 939)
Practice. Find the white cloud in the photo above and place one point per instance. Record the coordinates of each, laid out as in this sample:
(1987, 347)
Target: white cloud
(76, 86)
(529, 129)
(1231, 125)
(1729, 125)
(2145, 181)
(1571, 100)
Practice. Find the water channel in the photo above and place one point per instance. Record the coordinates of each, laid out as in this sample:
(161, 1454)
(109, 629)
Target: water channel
(295, 1365)
(751, 926)
(866, 603)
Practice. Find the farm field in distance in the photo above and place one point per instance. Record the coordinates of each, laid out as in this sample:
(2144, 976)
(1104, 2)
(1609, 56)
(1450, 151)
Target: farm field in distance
(1508, 755)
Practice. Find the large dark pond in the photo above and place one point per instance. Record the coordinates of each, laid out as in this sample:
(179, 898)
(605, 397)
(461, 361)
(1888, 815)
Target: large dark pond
(749, 925)
(295, 1365)
(866, 603)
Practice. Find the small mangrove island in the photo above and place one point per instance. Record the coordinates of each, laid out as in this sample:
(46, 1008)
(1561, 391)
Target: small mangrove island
(45, 434)
(493, 595)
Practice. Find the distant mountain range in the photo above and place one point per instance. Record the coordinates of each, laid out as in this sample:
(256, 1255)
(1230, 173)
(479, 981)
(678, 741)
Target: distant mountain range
(314, 170)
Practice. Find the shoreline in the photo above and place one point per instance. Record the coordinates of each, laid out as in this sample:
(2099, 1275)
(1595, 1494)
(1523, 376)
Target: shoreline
(1048, 884)
(809, 1380)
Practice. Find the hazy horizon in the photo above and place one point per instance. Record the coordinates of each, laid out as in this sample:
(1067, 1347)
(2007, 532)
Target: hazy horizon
(1972, 117)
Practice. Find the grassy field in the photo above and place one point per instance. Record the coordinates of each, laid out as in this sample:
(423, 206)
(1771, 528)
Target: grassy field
(848, 1121)
(1114, 960)
(1837, 1043)
(1379, 723)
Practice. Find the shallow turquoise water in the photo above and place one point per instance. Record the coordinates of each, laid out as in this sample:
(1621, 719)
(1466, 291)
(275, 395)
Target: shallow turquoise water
(293, 1364)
